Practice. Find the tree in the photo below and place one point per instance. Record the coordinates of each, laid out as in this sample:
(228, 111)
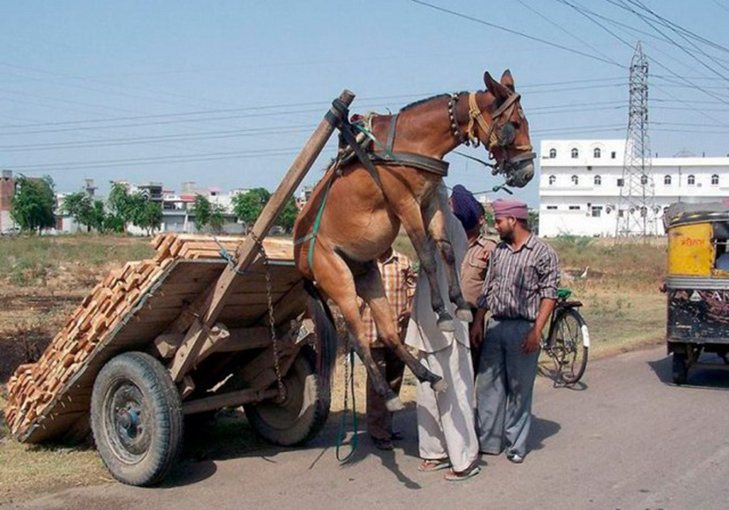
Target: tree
(33, 203)
(121, 206)
(248, 206)
(98, 216)
(148, 216)
(81, 208)
(288, 216)
(217, 218)
(201, 210)
(534, 221)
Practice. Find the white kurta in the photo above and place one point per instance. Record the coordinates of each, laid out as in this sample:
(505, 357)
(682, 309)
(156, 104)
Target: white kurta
(446, 422)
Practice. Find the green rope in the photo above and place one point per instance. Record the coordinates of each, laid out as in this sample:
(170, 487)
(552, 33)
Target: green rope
(341, 433)
(315, 229)
(372, 137)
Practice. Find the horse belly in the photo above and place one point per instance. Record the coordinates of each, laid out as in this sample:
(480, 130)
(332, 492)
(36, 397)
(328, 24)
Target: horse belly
(363, 237)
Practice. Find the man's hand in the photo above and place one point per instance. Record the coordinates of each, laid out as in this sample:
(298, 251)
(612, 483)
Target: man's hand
(532, 341)
(476, 334)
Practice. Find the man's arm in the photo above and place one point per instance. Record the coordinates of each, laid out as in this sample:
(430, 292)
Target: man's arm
(546, 307)
(548, 271)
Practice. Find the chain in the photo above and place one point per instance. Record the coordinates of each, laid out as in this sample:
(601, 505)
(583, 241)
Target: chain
(271, 318)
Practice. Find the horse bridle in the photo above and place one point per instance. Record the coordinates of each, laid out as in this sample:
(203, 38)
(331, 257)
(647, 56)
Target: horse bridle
(494, 138)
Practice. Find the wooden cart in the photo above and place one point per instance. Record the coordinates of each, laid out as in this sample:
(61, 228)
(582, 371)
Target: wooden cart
(208, 332)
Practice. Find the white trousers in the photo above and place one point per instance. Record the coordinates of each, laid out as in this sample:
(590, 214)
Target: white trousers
(446, 422)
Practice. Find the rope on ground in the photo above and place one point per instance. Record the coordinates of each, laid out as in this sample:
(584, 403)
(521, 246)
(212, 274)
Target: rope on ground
(341, 432)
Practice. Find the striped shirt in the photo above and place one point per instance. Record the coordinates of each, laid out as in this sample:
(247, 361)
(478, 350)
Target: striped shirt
(398, 279)
(517, 280)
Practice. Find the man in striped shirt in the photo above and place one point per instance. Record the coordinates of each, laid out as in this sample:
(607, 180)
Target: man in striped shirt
(520, 290)
(398, 278)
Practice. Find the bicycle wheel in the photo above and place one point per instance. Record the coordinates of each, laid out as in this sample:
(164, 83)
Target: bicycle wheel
(571, 343)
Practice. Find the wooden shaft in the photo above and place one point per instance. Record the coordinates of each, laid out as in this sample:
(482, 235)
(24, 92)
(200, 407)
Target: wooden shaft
(207, 310)
(232, 399)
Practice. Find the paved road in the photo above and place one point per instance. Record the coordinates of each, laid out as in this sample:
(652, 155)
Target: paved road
(628, 440)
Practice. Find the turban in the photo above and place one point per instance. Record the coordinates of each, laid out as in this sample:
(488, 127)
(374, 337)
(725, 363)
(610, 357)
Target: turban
(514, 208)
(465, 207)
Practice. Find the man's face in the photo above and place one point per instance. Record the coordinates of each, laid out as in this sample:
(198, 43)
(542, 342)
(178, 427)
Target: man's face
(505, 227)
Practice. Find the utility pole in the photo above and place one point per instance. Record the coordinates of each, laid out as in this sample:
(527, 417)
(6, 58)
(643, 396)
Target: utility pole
(637, 215)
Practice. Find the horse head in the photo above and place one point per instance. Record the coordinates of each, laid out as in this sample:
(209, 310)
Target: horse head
(506, 137)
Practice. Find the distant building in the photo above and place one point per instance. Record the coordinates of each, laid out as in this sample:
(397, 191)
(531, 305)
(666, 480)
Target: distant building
(7, 192)
(580, 183)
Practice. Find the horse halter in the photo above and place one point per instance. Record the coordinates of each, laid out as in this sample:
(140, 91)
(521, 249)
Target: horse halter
(493, 138)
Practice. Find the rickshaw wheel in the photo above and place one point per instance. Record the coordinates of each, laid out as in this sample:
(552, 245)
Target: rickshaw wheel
(303, 411)
(679, 368)
(136, 419)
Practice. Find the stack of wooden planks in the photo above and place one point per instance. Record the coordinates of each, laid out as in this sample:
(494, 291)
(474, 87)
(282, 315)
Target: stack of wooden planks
(34, 387)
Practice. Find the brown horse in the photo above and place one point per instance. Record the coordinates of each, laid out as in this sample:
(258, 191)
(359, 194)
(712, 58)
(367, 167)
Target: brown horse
(363, 210)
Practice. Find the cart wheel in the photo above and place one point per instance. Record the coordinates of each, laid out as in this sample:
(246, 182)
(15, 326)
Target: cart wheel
(680, 368)
(303, 411)
(136, 418)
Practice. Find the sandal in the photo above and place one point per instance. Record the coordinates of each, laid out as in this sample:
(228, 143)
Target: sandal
(458, 476)
(430, 465)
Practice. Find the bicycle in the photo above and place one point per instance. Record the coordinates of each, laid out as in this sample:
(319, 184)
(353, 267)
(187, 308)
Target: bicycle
(568, 339)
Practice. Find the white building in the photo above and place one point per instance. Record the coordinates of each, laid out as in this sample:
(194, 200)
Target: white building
(580, 182)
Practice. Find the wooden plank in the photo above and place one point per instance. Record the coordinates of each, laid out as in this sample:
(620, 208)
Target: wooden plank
(247, 252)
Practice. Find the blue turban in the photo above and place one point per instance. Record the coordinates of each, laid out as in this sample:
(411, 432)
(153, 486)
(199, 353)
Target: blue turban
(465, 206)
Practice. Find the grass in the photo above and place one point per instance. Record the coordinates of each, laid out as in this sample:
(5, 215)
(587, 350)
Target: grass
(42, 279)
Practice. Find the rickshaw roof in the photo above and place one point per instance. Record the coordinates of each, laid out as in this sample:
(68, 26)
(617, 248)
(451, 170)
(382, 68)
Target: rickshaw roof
(682, 213)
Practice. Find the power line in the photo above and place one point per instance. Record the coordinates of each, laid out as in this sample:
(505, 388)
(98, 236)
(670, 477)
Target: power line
(515, 32)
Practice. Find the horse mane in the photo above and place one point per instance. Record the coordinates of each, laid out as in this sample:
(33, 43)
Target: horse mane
(421, 101)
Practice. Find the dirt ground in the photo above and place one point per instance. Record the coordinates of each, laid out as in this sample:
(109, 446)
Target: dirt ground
(43, 279)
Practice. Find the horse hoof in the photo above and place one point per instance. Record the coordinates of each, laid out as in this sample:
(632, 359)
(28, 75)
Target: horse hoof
(464, 314)
(447, 325)
(439, 385)
(394, 404)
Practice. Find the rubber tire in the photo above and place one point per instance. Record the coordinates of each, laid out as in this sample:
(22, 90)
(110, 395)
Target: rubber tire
(585, 350)
(679, 368)
(161, 400)
(302, 382)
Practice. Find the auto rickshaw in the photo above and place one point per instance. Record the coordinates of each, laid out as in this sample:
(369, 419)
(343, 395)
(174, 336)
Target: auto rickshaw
(697, 284)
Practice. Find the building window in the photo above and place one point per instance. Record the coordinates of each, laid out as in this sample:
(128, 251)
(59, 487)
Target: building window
(714, 180)
(551, 207)
(644, 179)
(643, 212)
(598, 180)
(621, 213)
(667, 180)
(596, 211)
(620, 183)
(691, 180)
(575, 153)
(552, 180)
(612, 155)
(574, 208)
(552, 153)
(575, 180)
(597, 153)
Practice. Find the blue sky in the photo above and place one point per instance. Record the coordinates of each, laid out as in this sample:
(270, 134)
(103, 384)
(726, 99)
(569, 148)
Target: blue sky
(225, 93)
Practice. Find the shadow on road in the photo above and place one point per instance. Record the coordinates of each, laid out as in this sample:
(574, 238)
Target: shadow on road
(541, 430)
(699, 376)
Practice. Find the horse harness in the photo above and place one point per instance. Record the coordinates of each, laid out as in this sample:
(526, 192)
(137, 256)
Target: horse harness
(502, 137)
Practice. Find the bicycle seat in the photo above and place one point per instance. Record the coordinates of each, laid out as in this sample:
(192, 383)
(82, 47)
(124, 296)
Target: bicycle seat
(563, 293)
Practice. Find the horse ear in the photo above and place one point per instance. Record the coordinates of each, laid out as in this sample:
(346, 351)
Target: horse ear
(493, 86)
(508, 81)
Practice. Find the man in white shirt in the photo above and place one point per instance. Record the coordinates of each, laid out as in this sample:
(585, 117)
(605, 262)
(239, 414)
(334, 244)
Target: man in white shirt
(446, 422)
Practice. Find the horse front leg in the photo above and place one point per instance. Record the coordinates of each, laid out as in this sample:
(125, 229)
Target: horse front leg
(371, 289)
(434, 217)
(411, 216)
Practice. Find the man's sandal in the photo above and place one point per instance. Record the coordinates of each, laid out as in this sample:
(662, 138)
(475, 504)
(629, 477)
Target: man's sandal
(458, 476)
(430, 465)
